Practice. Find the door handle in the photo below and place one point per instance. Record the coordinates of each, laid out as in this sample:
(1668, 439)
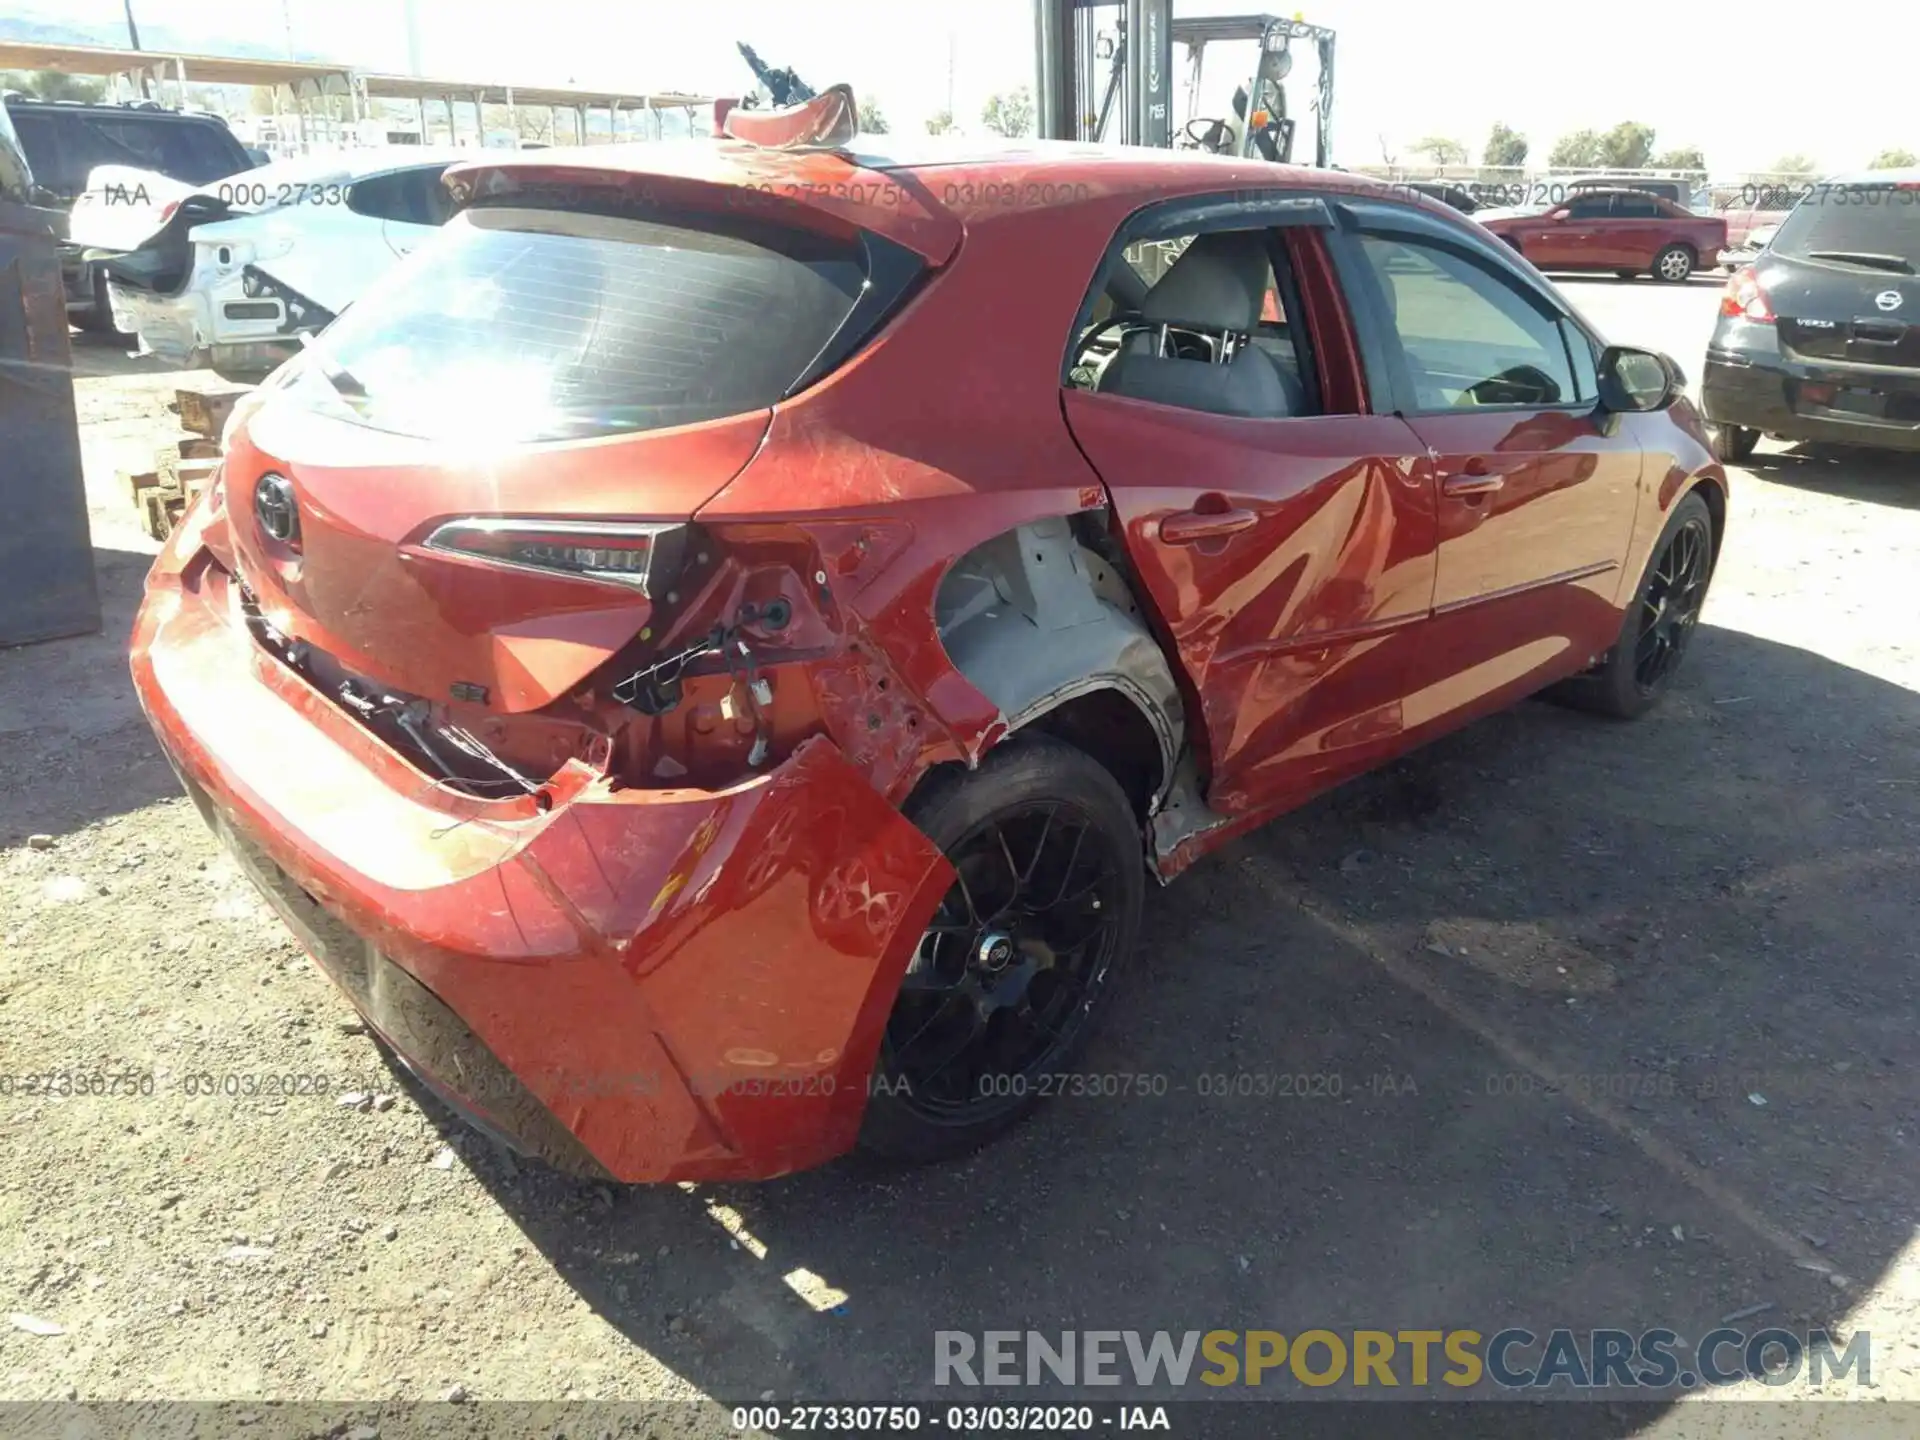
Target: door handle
(1190, 526)
(1472, 478)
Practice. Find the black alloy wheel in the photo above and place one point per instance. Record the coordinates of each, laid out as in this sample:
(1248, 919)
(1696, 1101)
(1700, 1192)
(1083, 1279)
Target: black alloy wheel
(1670, 603)
(1659, 621)
(1005, 984)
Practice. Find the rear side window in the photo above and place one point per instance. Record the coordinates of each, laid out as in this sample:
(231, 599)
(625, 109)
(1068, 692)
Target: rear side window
(533, 325)
(1878, 222)
(40, 139)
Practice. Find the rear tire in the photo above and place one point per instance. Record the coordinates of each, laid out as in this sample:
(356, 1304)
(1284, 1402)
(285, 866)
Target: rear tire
(1659, 622)
(97, 318)
(1012, 973)
(1674, 264)
(1731, 444)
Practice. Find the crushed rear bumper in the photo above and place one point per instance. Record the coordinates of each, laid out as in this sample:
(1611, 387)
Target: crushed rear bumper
(647, 985)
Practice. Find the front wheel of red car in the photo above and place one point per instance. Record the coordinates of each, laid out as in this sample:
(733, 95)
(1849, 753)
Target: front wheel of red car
(1017, 963)
(1659, 622)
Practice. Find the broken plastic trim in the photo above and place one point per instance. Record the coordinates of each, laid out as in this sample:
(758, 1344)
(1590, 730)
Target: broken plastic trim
(828, 121)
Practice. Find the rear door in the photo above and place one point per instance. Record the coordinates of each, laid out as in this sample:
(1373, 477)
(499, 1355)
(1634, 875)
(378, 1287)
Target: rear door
(1289, 556)
(1639, 227)
(1536, 499)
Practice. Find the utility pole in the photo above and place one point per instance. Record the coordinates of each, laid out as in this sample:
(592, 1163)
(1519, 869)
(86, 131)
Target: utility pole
(286, 19)
(133, 31)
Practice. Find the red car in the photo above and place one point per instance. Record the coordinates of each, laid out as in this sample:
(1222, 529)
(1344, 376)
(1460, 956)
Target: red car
(1626, 231)
(710, 653)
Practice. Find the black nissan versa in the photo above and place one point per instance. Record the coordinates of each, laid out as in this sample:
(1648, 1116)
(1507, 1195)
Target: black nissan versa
(1819, 338)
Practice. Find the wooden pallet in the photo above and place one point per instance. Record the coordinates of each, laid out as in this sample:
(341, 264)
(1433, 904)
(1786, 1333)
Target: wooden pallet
(182, 467)
(204, 411)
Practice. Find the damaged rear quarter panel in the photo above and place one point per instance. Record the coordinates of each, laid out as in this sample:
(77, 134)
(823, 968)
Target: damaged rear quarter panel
(948, 429)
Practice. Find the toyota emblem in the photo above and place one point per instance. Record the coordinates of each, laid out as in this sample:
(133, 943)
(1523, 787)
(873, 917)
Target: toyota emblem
(1888, 299)
(276, 509)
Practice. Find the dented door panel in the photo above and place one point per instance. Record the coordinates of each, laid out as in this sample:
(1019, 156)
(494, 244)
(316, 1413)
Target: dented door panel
(1293, 631)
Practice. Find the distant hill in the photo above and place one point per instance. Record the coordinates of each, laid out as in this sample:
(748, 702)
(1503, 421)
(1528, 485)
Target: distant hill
(152, 37)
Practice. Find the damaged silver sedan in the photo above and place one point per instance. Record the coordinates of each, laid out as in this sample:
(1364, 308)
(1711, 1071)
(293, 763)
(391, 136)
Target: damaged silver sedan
(232, 274)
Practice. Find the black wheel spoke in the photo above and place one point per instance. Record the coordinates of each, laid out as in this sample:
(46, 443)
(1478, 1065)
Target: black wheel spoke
(1670, 606)
(998, 986)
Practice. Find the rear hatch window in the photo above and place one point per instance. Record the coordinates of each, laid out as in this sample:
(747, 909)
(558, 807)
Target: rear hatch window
(522, 325)
(1867, 227)
(1851, 293)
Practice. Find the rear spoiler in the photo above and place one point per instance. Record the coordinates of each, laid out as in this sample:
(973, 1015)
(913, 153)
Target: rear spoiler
(799, 174)
(829, 121)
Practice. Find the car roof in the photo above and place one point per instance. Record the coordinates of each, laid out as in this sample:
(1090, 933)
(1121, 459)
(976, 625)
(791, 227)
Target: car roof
(925, 196)
(919, 190)
(1909, 175)
(1634, 190)
(356, 164)
(117, 111)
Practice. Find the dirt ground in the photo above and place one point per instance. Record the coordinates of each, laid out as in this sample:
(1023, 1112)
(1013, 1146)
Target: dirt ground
(1645, 996)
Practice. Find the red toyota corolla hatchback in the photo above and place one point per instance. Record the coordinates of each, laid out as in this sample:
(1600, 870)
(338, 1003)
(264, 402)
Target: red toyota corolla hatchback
(708, 654)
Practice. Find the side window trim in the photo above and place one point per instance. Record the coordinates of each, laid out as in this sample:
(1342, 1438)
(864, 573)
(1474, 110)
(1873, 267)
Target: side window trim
(1299, 330)
(1389, 384)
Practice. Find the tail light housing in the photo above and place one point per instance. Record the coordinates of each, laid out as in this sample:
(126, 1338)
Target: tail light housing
(642, 557)
(1744, 298)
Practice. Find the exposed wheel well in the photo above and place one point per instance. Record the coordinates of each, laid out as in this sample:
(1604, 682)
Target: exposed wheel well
(1109, 727)
(1043, 620)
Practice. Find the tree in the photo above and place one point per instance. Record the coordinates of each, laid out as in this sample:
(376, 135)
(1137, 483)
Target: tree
(872, 122)
(1580, 148)
(1440, 150)
(1894, 159)
(941, 123)
(53, 84)
(1628, 146)
(1795, 165)
(1685, 158)
(1505, 147)
(1010, 115)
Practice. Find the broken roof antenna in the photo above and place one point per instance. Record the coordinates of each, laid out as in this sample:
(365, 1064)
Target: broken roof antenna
(783, 86)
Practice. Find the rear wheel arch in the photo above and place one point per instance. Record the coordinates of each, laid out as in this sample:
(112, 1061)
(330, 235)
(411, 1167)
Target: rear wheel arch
(1051, 630)
(1715, 497)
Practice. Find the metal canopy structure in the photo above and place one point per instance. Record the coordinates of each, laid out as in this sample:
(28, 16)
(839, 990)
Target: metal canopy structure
(310, 80)
(413, 87)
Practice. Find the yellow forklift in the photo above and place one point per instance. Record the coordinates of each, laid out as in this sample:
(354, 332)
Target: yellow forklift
(1105, 71)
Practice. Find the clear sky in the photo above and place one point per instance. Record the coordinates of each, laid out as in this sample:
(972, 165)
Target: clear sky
(1833, 81)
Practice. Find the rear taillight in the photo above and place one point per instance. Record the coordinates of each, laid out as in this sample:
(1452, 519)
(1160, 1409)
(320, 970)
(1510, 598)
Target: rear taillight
(644, 557)
(1744, 299)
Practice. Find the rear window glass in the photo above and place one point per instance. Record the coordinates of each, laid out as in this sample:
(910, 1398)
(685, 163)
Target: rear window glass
(1868, 220)
(522, 325)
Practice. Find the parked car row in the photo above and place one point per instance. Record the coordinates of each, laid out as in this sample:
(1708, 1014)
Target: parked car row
(65, 143)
